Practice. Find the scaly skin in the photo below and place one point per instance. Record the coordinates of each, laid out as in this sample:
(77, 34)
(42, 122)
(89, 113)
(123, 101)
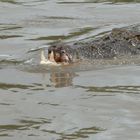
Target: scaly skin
(119, 42)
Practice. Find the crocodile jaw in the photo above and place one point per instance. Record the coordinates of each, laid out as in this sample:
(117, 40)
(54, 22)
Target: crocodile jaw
(45, 61)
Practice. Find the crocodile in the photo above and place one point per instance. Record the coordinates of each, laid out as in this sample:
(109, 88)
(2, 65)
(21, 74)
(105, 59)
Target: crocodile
(118, 42)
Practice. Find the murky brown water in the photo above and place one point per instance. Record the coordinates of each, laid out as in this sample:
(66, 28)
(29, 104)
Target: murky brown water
(83, 103)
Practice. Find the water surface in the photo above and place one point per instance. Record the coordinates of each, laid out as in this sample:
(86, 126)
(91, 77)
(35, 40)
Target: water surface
(99, 101)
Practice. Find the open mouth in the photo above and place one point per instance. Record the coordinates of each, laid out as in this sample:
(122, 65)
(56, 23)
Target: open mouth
(55, 58)
(59, 57)
(59, 54)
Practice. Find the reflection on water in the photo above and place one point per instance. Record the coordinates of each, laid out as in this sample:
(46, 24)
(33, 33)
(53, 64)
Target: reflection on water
(56, 79)
(62, 79)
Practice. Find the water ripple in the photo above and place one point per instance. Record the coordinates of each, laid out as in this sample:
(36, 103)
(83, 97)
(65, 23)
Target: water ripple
(7, 86)
(9, 36)
(79, 32)
(113, 89)
(96, 1)
(9, 1)
(22, 125)
(81, 133)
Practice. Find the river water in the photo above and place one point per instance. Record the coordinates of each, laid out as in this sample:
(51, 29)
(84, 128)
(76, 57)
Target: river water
(99, 103)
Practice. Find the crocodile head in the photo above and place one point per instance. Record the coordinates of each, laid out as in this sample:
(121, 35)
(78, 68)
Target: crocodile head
(60, 54)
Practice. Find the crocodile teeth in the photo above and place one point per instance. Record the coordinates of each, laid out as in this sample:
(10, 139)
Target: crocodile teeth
(45, 61)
